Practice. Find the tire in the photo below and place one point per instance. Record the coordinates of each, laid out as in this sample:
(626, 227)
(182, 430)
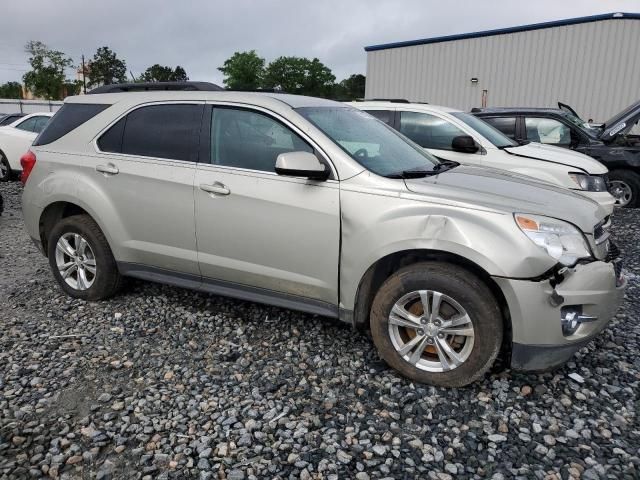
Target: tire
(5, 169)
(626, 185)
(458, 289)
(106, 280)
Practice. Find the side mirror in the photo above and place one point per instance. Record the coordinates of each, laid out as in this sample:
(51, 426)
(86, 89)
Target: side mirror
(301, 164)
(464, 144)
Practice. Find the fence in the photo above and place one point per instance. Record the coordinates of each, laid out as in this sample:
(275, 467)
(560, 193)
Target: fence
(28, 106)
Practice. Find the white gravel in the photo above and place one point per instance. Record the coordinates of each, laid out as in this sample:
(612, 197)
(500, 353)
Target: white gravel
(161, 382)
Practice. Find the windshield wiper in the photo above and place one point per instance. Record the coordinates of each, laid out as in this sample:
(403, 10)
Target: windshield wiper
(441, 167)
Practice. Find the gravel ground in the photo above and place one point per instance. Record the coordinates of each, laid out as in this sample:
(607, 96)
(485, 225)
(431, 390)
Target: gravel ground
(161, 382)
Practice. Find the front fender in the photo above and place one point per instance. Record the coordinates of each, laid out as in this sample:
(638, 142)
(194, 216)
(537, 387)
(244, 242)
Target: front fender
(374, 227)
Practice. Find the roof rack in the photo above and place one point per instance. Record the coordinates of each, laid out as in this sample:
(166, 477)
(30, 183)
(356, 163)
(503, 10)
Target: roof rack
(155, 86)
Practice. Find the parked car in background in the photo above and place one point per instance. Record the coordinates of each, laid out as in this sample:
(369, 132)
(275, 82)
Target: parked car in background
(7, 118)
(610, 142)
(313, 205)
(15, 139)
(451, 134)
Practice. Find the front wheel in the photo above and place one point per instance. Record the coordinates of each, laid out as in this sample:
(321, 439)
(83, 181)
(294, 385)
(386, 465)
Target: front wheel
(624, 185)
(81, 259)
(5, 169)
(437, 323)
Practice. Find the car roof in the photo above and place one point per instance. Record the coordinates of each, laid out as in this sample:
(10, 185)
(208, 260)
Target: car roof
(265, 99)
(515, 110)
(403, 105)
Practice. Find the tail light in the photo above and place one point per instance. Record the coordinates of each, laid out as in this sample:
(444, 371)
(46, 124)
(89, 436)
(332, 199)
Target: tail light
(27, 161)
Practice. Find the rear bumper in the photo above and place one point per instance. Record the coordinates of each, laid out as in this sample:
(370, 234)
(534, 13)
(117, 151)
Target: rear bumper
(538, 342)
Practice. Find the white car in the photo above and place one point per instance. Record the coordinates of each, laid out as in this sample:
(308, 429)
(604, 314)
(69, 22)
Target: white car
(454, 135)
(15, 140)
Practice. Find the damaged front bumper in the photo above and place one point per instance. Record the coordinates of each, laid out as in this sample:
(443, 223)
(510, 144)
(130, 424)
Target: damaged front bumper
(550, 324)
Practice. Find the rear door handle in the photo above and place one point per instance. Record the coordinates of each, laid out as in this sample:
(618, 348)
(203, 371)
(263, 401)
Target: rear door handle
(216, 188)
(109, 169)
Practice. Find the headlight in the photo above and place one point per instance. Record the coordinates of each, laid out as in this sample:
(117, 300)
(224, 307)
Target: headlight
(590, 183)
(559, 239)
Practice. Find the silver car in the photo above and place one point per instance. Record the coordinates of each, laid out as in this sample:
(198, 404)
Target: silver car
(313, 205)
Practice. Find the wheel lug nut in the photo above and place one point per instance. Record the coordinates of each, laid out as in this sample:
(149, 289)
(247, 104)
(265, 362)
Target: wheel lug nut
(429, 340)
(441, 335)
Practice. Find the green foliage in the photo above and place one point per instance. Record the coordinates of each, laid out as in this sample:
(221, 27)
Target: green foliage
(243, 71)
(299, 75)
(72, 87)
(351, 88)
(160, 73)
(46, 78)
(11, 90)
(106, 68)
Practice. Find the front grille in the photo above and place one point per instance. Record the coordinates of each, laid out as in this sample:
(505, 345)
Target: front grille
(613, 256)
(601, 230)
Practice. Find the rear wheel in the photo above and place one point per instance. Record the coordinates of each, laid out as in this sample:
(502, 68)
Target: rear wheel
(81, 259)
(5, 169)
(437, 323)
(624, 185)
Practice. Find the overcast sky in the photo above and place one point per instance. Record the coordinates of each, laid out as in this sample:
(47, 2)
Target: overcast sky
(201, 34)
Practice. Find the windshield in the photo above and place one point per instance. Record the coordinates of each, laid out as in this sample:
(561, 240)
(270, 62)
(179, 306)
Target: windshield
(368, 141)
(582, 125)
(495, 136)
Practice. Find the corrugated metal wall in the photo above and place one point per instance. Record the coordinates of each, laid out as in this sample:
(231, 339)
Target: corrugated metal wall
(594, 67)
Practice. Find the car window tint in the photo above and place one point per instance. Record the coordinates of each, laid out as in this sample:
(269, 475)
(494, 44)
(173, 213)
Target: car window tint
(428, 131)
(40, 123)
(28, 124)
(385, 116)
(68, 118)
(111, 140)
(161, 131)
(506, 125)
(547, 130)
(246, 139)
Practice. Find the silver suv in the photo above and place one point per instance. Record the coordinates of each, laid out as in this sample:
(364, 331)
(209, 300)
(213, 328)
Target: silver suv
(316, 206)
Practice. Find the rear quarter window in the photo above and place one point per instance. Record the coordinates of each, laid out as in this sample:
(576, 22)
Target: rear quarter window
(68, 118)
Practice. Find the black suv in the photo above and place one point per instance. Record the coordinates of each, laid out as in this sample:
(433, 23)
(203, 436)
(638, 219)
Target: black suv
(609, 142)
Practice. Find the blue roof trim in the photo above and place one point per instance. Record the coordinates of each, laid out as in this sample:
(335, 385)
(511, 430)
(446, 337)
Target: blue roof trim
(501, 31)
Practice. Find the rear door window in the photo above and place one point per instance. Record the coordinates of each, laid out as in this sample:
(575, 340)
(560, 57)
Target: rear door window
(506, 125)
(429, 131)
(168, 131)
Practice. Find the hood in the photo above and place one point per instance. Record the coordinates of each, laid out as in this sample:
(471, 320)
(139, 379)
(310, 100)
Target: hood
(509, 192)
(621, 123)
(562, 156)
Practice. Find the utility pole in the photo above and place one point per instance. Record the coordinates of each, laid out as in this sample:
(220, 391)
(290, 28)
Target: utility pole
(84, 77)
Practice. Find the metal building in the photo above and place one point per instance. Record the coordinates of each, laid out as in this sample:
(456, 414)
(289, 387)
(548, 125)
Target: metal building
(590, 63)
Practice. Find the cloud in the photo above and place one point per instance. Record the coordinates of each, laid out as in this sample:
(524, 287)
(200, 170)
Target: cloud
(200, 34)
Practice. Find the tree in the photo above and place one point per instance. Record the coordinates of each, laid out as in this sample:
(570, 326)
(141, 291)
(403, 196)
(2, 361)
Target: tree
(11, 90)
(243, 71)
(353, 87)
(160, 73)
(299, 75)
(105, 68)
(46, 78)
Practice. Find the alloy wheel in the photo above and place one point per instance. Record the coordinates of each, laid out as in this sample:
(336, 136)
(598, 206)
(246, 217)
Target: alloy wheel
(76, 261)
(621, 191)
(431, 331)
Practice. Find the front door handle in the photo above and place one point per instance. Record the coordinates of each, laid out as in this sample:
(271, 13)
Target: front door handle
(109, 169)
(216, 188)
